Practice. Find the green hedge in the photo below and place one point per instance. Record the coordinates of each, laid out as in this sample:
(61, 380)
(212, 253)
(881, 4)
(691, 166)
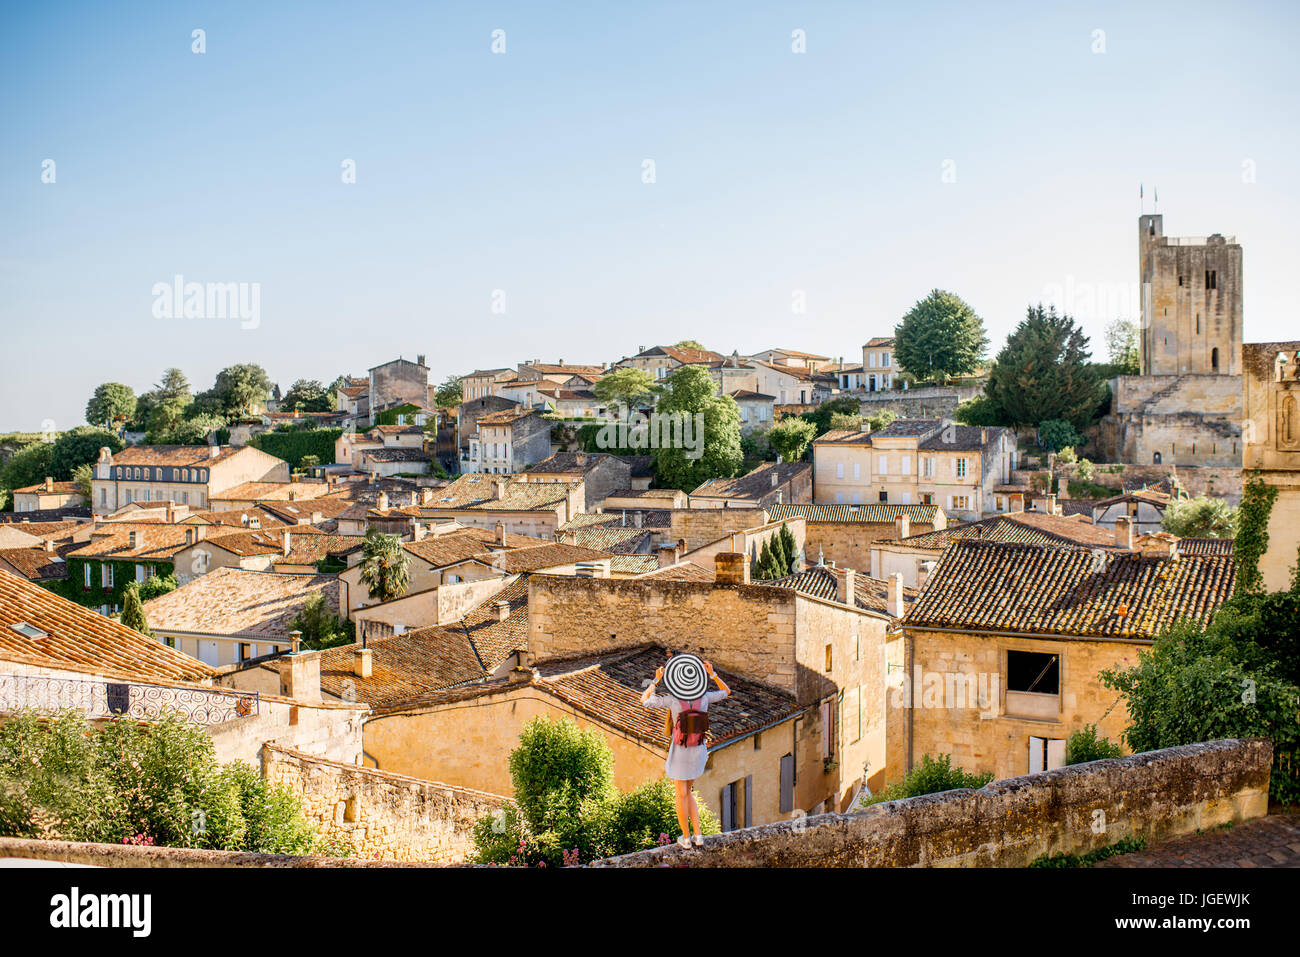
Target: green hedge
(292, 446)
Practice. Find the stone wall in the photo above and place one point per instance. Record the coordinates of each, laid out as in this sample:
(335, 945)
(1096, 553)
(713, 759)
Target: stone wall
(1186, 419)
(1077, 809)
(129, 855)
(381, 815)
(699, 526)
(848, 544)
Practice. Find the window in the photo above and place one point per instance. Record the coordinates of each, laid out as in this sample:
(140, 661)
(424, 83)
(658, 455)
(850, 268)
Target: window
(243, 651)
(830, 656)
(959, 502)
(1033, 684)
(882, 465)
(857, 470)
(787, 783)
(736, 803)
(839, 470)
(86, 569)
(884, 496)
(884, 358)
(959, 468)
(927, 467)
(871, 360)
(1211, 279)
(106, 576)
(907, 465)
(1045, 754)
(1214, 359)
(839, 498)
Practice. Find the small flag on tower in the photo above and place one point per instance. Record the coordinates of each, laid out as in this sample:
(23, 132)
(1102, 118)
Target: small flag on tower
(1139, 190)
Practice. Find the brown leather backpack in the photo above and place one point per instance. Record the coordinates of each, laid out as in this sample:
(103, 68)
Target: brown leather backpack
(692, 724)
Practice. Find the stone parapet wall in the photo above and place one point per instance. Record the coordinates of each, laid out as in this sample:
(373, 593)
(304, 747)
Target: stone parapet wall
(1010, 823)
(380, 815)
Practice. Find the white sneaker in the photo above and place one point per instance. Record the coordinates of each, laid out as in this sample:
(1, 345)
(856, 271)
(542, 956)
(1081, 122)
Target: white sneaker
(684, 841)
(698, 840)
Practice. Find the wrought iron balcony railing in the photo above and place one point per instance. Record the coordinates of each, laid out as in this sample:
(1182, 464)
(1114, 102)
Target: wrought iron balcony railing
(100, 698)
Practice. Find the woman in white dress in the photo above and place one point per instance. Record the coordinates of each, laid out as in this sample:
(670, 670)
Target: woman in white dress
(685, 762)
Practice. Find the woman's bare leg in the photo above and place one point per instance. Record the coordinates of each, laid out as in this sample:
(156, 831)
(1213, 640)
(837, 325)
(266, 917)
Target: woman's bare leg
(683, 798)
(693, 806)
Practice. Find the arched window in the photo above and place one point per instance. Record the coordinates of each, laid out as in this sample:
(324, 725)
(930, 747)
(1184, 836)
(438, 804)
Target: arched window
(1214, 359)
(1155, 459)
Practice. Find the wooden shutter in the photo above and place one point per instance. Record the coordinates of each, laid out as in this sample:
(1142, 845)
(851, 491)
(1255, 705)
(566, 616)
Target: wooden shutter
(749, 800)
(724, 803)
(1036, 754)
(1055, 753)
(787, 783)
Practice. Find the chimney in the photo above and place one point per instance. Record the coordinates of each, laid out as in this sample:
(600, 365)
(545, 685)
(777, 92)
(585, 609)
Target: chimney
(1017, 501)
(426, 496)
(171, 513)
(300, 674)
(636, 519)
(894, 606)
(984, 436)
(295, 641)
(418, 531)
(362, 665)
(419, 359)
(49, 544)
(923, 573)
(902, 525)
(293, 495)
(49, 484)
(667, 554)
(499, 488)
(1173, 548)
(1051, 503)
(285, 543)
(133, 539)
(503, 610)
(382, 502)
(1124, 533)
(214, 451)
(500, 537)
(844, 585)
(731, 568)
(316, 518)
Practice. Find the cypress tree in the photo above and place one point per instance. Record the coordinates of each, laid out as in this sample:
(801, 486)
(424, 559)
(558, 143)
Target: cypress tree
(133, 610)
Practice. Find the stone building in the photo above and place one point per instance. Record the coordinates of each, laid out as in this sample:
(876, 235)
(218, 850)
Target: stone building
(1185, 407)
(1271, 395)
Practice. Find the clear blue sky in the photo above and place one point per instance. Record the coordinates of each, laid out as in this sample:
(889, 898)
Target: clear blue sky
(521, 172)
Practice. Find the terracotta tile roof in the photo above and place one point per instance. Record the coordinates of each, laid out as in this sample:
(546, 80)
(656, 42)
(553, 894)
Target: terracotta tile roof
(962, 438)
(55, 488)
(395, 455)
(312, 548)
(571, 463)
(1025, 528)
(13, 536)
(843, 437)
(555, 369)
(182, 456)
(819, 581)
(235, 517)
(684, 356)
(682, 572)
(608, 688)
(402, 666)
(268, 541)
(921, 514)
(505, 416)
(614, 539)
(270, 492)
(796, 354)
(476, 492)
(540, 557)
(1070, 591)
(1151, 497)
(1205, 546)
(879, 342)
(633, 564)
(454, 547)
(494, 640)
(354, 391)
(747, 395)
(65, 513)
(80, 640)
(36, 564)
(112, 540)
(237, 602)
(296, 512)
(47, 530)
(755, 484)
(661, 493)
(396, 430)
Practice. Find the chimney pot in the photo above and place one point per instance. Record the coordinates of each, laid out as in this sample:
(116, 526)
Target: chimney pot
(894, 606)
(362, 663)
(844, 585)
(382, 502)
(501, 533)
(285, 542)
(49, 544)
(49, 483)
(903, 525)
(1124, 533)
(503, 610)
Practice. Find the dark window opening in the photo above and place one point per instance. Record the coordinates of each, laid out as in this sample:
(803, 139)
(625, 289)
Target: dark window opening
(1180, 280)
(1155, 458)
(1033, 671)
(884, 496)
(1214, 359)
(1211, 279)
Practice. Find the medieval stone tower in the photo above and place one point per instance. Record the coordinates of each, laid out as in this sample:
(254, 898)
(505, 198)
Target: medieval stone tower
(1191, 302)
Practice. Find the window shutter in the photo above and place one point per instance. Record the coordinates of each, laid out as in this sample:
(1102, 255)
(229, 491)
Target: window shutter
(749, 800)
(1035, 754)
(1055, 753)
(787, 783)
(725, 806)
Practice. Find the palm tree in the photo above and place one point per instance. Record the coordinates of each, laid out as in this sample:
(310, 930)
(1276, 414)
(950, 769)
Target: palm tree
(384, 567)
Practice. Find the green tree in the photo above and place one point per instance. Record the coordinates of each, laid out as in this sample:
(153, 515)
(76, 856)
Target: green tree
(940, 337)
(80, 446)
(306, 395)
(385, 569)
(320, 626)
(27, 466)
(880, 420)
(173, 386)
(930, 776)
(791, 437)
(82, 476)
(980, 410)
(156, 585)
(821, 416)
(791, 547)
(690, 398)
(1043, 372)
(1057, 434)
(1122, 346)
(111, 401)
(191, 431)
(132, 611)
(450, 393)
(238, 391)
(690, 344)
(1085, 745)
(628, 388)
(781, 559)
(1200, 517)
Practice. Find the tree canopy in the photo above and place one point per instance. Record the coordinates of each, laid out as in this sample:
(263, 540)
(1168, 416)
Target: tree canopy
(1122, 346)
(1200, 517)
(1043, 372)
(791, 437)
(940, 337)
(449, 393)
(111, 401)
(629, 388)
(689, 391)
(307, 395)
